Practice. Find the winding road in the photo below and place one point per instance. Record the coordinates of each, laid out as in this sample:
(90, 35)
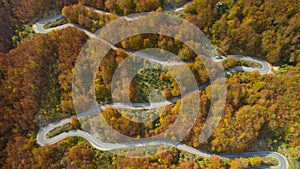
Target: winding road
(42, 138)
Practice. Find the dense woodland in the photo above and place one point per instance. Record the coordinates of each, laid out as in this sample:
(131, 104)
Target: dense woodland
(14, 13)
(263, 28)
(86, 17)
(262, 111)
(252, 28)
(125, 7)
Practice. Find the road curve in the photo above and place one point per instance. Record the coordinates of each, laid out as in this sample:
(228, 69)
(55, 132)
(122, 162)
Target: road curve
(42, 134)
(43, 140)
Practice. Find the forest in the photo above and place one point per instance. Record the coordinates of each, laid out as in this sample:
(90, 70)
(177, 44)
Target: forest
(261, 113)
(261, 28)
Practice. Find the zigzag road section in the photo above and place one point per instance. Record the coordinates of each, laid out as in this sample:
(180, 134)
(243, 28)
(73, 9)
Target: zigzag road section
(42, 138)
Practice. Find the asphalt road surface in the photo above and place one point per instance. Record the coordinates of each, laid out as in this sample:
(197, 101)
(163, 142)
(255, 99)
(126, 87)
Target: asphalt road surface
(42, 135)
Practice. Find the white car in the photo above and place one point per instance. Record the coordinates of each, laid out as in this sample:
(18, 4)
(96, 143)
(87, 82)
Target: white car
(220, 57)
